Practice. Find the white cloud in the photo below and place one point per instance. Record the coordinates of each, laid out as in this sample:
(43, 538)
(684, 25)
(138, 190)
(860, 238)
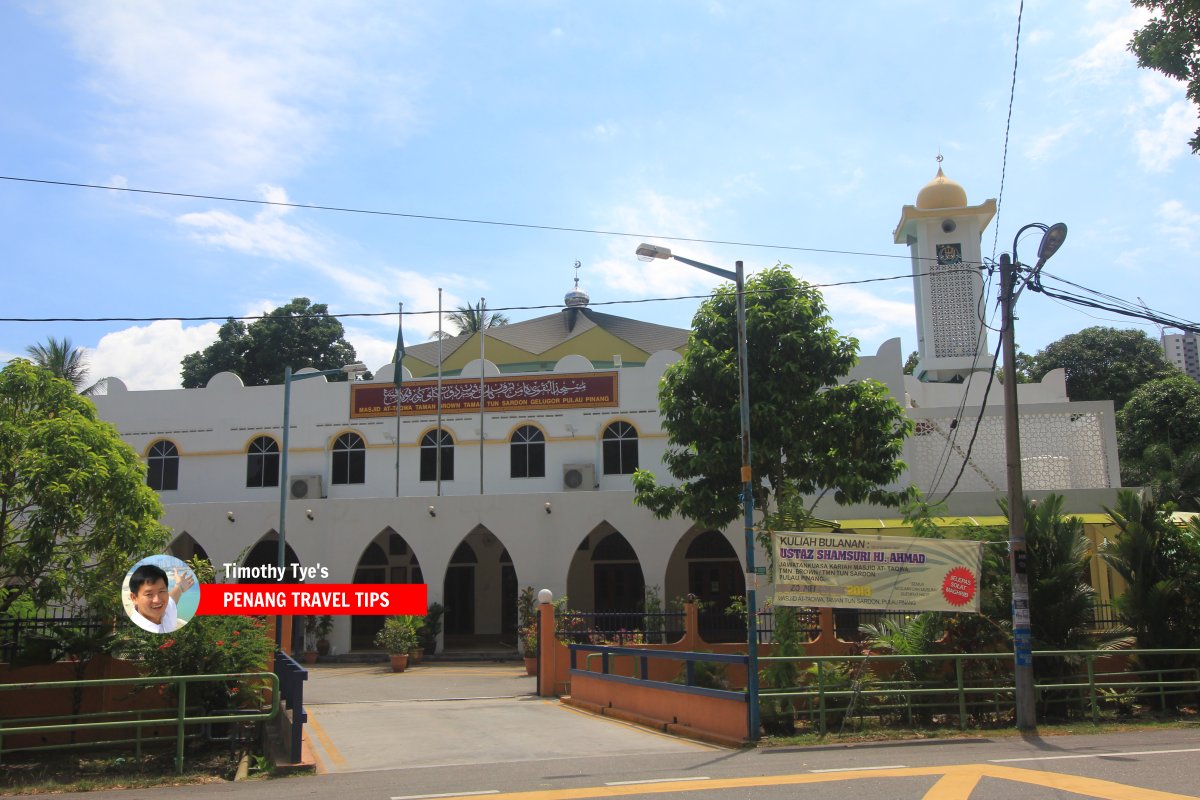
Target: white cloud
(148, 356)
(1108, 56)
(1042, 146)
(623, 272)
(1167, 140)
(228, 91)
(1180, 224)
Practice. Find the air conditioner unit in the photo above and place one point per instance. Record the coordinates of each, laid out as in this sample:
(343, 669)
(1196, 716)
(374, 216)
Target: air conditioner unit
(301, 487)
(579, 477)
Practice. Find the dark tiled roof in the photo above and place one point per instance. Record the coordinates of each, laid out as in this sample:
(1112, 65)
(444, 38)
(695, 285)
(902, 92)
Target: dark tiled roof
(538, 335)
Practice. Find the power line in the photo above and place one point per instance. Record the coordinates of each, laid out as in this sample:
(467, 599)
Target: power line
(460, 220)
(362, 314)
(1012, 93)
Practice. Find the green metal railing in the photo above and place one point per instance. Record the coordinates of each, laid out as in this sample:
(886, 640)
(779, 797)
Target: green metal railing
(179, 718)
(962, 694)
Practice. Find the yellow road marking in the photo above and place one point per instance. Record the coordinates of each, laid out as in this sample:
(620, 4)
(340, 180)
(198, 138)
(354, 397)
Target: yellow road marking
(335, 755)
(1089, 787)
(956, 783)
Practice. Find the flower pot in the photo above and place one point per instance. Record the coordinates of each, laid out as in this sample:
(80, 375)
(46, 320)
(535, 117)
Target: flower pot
(399, 662)
(310, 656)
(323, 646)
(530, 665)
(415, 655)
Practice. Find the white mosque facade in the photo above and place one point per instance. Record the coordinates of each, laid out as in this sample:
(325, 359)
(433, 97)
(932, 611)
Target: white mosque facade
(536, 490)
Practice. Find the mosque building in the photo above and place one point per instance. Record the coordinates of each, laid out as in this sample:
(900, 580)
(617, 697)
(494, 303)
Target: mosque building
(535, 490)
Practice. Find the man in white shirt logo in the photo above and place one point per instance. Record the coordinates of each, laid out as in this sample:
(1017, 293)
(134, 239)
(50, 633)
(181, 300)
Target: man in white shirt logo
(154, 607)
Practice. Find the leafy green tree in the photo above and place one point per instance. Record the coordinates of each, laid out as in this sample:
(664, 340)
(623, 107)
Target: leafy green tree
(206, 645)
(471, 319)
(810, 434)
(75, 511)
(1158, 435)
(1102, 363)
(1170, 44)
(910, 363)
(1160, 564)
(64, 361)
(299, 334)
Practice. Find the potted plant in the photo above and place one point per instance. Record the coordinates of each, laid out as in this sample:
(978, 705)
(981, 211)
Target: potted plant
(529, 644)
(397, 636)
(527, 622)
(324, 627)
(431, 626)
(311, 622)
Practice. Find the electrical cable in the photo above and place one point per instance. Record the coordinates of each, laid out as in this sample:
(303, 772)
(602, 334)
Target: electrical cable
(460, 220)
(978, 421)
(1012, 93)
(367, 314)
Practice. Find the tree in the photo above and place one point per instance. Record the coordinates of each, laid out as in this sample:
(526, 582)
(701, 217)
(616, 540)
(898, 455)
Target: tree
(910, 363)
(64, 361)
(471, 319)
(1158, 436)
(298, 335)
(1170, 44)
(810, 435)
(1160, 563)
(1103, 363)
(75, 511)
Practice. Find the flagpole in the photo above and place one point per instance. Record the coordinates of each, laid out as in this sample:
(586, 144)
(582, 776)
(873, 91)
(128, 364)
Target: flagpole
(482, 329)
(398, 379)
(438, 433)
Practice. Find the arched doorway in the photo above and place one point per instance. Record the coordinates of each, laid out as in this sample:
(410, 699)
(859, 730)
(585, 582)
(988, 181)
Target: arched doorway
(605, 574)
(266, 553)
(386, 559)
(480, 595)
(186, 548)
(715, 578)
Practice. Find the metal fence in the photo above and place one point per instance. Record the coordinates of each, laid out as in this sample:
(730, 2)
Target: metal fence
(619, 627)
(120, 722)
(16, 633)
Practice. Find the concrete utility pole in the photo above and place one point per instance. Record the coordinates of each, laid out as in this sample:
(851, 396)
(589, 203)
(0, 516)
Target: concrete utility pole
(1018, 561)
(1018, 557)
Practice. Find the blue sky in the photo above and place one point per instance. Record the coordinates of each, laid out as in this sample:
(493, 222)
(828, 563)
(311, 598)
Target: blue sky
(775, 123)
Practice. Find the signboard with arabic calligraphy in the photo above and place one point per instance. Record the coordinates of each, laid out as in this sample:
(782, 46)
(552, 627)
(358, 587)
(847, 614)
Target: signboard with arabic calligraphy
(524, 393)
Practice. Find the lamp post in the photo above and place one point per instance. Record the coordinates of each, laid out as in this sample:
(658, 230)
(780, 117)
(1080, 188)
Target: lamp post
(646, 252)
(353, 370)
(1052, 239)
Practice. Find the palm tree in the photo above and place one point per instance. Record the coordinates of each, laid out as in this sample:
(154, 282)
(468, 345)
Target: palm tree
(64, 361)
(472, 319)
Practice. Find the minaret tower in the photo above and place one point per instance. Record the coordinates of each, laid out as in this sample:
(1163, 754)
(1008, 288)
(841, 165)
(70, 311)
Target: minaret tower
(943, 234)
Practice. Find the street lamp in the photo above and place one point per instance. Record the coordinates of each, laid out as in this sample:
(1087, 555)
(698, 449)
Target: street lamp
(648, 252)
(1052, 239)
(352, 370)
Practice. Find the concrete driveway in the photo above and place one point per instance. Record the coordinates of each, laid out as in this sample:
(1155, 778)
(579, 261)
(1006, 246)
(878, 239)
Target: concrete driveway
(365, 717)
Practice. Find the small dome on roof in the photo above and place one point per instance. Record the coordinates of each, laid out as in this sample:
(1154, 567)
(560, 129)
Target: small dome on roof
(941, 192)
(576, 297)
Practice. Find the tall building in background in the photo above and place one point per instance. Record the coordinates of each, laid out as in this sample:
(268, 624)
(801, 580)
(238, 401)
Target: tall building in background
(1183, 350)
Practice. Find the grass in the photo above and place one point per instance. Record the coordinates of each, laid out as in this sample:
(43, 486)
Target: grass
(1144, 720)
(50, 772)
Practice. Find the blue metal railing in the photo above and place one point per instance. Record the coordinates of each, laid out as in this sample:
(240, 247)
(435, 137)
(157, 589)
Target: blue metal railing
(291, 689)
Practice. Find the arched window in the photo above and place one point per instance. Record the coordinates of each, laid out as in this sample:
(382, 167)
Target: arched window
(162, 471)
(349, 459)
(527, 453)
(262, 463)
(620, 444)
(429, 455)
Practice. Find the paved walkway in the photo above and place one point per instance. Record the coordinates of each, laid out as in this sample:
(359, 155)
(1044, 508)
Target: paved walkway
(365, 717)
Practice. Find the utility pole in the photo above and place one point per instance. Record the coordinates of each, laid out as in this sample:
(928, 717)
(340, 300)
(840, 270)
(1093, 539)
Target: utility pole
(1017, 557)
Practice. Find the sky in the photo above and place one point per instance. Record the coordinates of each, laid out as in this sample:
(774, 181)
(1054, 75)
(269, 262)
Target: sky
(790, 128)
